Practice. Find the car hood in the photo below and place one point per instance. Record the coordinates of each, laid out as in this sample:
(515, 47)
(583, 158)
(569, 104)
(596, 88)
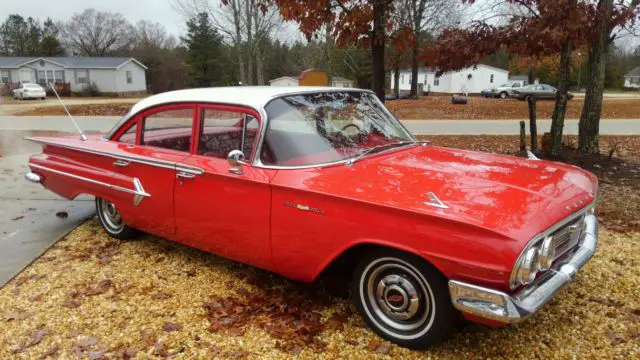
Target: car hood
(515, 197)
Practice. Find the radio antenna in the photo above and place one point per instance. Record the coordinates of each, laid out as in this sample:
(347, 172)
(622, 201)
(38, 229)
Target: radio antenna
(83, 137)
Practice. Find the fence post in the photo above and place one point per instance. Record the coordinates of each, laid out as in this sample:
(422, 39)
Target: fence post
(523, 142)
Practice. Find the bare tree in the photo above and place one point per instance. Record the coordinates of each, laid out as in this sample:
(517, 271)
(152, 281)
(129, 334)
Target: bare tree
(427, 17)
(245, 25)
(96, 33)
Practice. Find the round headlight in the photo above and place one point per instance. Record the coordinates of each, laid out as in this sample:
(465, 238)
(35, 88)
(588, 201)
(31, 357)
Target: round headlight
(529, 266)
(547, 253)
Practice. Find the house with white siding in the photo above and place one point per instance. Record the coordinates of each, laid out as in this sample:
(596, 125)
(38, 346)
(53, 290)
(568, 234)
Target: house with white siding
(470, 80)
(632, 79)
(119, 75)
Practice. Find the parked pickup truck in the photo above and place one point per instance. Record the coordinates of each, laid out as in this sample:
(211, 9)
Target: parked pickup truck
(505, 90)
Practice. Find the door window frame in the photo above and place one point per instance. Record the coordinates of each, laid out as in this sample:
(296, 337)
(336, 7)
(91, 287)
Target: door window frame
(231, 108)
(138, 119)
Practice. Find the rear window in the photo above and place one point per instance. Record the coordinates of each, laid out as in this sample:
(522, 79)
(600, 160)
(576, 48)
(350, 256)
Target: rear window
(33, 86)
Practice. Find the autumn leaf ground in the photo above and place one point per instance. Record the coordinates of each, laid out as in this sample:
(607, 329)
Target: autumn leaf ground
(91, 296)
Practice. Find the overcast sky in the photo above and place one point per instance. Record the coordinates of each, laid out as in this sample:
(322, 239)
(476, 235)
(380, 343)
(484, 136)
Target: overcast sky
(134, 10)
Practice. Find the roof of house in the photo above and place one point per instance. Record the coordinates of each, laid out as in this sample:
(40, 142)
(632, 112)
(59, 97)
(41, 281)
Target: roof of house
(634, 72)
(251, 96)
(434, 70)
(285, 77)
(71, 62)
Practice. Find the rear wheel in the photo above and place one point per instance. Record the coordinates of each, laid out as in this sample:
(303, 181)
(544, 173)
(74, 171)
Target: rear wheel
(112, 222)
(403, 299)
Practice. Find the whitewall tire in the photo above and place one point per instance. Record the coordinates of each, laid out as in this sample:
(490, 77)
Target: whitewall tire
(112, 222)
(403, 298)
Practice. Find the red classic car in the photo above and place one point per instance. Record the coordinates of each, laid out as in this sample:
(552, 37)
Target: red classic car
(301, 181)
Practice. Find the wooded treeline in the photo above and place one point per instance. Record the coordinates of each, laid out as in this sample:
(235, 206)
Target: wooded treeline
(204, 56)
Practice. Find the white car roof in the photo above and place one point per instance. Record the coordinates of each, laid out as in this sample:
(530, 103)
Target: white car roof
(252, 96)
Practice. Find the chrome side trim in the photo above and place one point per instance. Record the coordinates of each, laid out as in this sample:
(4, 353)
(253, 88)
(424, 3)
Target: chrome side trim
(502, 307)
(138, 191)
(145, 161)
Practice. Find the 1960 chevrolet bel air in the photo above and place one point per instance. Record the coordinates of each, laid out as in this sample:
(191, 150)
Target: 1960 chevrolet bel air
(299, 181)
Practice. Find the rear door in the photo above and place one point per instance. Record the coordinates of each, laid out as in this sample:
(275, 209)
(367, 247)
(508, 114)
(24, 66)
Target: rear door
(155, 140)
(224, 209)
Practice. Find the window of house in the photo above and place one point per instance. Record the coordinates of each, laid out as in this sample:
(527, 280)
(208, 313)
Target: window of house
(42, 78)
(129, 77)
(224, 131)
(58, 76)
(82, 77)
(168, 129)
(436, 81)
(4, 76)
(491, 79)
(49, 76)
(401, 78)
(634, 80)
(425, 79)
(129, 136)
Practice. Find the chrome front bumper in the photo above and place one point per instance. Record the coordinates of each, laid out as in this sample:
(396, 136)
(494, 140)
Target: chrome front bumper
(499, 306)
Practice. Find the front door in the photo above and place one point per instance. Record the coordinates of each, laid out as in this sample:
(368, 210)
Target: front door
(225, 210)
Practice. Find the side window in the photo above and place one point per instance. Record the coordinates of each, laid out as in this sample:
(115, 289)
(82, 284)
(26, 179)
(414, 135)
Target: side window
(129, 136)
(515, 85)
(168, 129)
(223, 131)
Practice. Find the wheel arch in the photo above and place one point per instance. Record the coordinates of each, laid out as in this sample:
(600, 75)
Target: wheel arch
(345, 260)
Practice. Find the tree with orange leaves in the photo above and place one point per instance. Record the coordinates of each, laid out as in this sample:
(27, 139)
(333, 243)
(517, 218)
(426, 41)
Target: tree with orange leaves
(361, 22)
(540, 28)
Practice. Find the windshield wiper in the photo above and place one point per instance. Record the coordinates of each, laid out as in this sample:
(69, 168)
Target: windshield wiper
(379, 147)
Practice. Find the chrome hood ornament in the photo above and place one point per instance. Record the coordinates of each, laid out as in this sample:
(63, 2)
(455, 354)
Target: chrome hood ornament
(435, 202)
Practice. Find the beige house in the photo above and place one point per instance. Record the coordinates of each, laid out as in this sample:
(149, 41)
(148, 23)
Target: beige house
(336, 81)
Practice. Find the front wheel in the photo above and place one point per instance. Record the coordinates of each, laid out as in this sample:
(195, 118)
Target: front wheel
(403, 299)
(112, 222)
(503, 95)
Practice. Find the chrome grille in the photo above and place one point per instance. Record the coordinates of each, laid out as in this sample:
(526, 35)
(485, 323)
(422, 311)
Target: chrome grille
(567, 237)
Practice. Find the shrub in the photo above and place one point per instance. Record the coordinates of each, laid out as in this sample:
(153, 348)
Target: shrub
(91, 90)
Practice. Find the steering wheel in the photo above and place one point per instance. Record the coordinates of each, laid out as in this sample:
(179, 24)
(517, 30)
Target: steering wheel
(351, 125)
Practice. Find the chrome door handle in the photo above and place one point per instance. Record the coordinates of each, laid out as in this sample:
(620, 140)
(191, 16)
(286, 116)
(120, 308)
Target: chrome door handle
(185, 175)
(121, 163)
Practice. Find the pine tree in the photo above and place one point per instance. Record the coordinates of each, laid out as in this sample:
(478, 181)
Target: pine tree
(50, 45)
(204, 54)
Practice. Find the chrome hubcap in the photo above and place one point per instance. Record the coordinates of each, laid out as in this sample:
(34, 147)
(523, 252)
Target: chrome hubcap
(110, 215)
(398, 297)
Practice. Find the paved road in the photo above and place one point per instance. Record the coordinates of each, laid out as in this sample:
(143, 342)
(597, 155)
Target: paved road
(418, 127)
(28, 221)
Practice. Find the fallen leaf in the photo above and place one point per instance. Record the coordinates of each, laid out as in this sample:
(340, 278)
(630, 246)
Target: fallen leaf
(168, 327)
(17, 218)
(51, 352)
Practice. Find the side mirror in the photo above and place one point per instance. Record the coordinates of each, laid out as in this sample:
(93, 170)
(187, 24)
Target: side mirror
(236, 160)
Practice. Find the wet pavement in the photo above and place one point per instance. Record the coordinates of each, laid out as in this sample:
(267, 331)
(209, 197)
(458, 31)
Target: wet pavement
(28, 220)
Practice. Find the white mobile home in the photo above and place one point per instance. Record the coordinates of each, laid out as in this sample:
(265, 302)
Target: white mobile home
(469, 80)
(118, 75)
(632, 79)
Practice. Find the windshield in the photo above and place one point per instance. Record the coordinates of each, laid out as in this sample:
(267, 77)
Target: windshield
(321, 128)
